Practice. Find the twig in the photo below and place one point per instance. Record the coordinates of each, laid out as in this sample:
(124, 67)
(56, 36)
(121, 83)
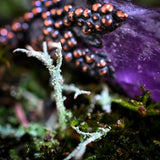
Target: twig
(20, 114)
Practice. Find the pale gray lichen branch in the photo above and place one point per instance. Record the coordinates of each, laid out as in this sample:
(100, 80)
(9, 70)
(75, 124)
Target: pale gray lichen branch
(78, 152)
(55, 73)
(73, 88)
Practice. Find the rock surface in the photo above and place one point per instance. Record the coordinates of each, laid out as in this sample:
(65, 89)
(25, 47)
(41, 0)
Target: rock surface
(135, 49)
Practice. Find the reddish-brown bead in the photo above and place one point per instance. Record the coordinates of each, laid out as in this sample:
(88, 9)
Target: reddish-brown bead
(72, 42)
(106, 22)
(107, 7)
(65, 48)
(68, 35)
(53, 12)
(56, 1)
(16, 26)
(70, 15)
(78, 12)
(46, 14)
(68, 57)
(55, 34)
(77, 53)
(3, 32)
(89, 58)
(66, 22)
(87, 13)
(58, 24)
(84, 68)
(102, 63)
(37, 10)
(59, 12)
(103, 71)
(86, 31)
(47, 31)
(36, 3)
(90, 25)
(28, 16)
(10, 35)
(95, 17)
(98, 27)
(67, 8)
(48, 3)
(121, 14)
(62, 40)
(96, 6)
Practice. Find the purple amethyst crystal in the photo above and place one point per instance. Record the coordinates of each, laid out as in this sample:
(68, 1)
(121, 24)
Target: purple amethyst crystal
(135, 49)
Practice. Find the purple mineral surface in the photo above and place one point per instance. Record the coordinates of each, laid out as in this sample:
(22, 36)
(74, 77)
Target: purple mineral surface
(135, 49)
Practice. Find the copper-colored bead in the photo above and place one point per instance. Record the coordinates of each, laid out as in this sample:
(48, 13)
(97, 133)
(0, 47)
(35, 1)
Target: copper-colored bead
(3, 32)
(96, 6)
(28, 16)
(53, 12)
(66, 35)
(84, 68)
(106, 22)
(102, 63)
(56, 1)
(37, 10)
(55, 34)
(48, 3)
(90, 25)
(48, 22)
(65, 48)
(78, 63)
(70, 34)
(58, 24)
(103, 71)
(72, 42)
(16, 26)
(70, 15)
(90, 58)
(86, 31)
(59, 12)
(98, 27)
(66, 22)
(78, 12)
(68, 57)
(79, 23)
(87, 13)
(77, 53)
(36, 3)
(47, 31)
(46, 14)
(10, 35)
(121, 14)
(62, 40)
(107, 7)
(67, 8)
(95, 17)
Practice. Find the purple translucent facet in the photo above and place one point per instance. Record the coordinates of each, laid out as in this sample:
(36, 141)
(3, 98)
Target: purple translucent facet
(134, 49)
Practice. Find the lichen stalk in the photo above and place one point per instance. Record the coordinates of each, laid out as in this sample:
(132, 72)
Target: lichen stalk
(56, 77)
(78, 152)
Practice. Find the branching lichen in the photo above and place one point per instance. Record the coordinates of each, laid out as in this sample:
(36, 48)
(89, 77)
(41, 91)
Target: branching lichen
(78, 152)
(73, 88)
(55, 73)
